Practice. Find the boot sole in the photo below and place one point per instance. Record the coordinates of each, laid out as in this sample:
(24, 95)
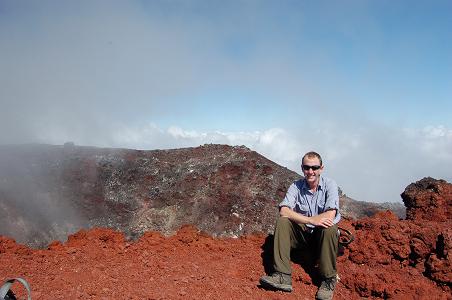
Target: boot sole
(282, 287)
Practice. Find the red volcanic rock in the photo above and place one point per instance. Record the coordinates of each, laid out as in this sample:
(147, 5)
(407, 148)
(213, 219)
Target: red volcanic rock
(439, 264)
(390, 258)
(428, 199)
(100, 264)
(404, 258)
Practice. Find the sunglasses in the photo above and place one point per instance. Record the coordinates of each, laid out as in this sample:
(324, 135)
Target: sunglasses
(314, 168)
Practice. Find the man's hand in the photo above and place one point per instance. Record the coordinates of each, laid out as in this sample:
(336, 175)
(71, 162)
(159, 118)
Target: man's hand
(324, 220)
(321, 221)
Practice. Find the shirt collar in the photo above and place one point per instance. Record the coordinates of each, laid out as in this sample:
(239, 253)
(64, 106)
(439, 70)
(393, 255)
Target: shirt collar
(305, 185)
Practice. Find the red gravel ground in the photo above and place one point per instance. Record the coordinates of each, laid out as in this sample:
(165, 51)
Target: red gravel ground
(101, 264)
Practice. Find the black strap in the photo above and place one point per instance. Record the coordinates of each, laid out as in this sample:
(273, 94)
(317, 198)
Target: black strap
(345, 236)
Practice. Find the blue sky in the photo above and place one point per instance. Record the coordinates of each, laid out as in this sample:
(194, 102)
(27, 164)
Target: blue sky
(368, 84)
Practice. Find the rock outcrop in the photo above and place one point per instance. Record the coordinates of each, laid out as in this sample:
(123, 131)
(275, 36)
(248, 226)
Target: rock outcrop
(428, 200)
(404, 258)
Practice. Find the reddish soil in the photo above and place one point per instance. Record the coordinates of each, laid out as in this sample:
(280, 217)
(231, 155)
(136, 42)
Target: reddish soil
(101, 264)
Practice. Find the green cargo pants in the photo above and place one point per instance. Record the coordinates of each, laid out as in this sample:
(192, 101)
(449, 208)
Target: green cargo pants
(322, 242)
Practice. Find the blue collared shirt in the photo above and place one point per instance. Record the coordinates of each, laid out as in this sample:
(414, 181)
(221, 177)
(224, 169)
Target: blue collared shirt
(300, 199)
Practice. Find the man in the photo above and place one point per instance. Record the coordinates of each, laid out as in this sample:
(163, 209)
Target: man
(308, 219)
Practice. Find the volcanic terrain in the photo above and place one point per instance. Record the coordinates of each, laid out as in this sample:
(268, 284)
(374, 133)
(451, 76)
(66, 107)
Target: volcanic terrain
(196, 223)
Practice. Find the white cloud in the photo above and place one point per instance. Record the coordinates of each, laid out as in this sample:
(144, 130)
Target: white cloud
(437, 131)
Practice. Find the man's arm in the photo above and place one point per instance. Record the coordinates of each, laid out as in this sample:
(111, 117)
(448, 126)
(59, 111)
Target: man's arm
(322, 220)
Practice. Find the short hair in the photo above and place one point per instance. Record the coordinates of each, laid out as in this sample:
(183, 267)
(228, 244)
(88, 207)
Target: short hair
(312, 154)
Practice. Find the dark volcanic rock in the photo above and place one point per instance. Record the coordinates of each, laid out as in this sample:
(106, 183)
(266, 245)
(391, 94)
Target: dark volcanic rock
(48, 192)
(354, 209)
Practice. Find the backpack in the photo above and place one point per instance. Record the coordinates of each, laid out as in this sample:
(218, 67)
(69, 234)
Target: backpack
(7, 294)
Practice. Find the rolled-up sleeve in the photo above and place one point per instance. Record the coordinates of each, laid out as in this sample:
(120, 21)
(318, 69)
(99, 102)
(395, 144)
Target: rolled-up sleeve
(332, 196)
(332, 199)
(291, 197)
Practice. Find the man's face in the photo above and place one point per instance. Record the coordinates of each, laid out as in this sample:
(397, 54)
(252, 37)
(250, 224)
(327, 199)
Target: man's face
(312, 169)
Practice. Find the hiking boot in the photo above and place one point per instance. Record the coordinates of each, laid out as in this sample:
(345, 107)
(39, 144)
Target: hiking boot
(326, 289)
(277, 280)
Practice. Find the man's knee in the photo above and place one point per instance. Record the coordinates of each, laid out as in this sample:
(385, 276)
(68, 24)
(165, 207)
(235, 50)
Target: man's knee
(283, 225)
(330, 232)
(283, 222)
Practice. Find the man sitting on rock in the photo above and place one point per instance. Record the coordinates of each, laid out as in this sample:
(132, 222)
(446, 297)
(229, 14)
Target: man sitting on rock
(308, 220)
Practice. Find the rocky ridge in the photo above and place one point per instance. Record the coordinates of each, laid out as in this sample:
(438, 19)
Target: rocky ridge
(48, 192)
